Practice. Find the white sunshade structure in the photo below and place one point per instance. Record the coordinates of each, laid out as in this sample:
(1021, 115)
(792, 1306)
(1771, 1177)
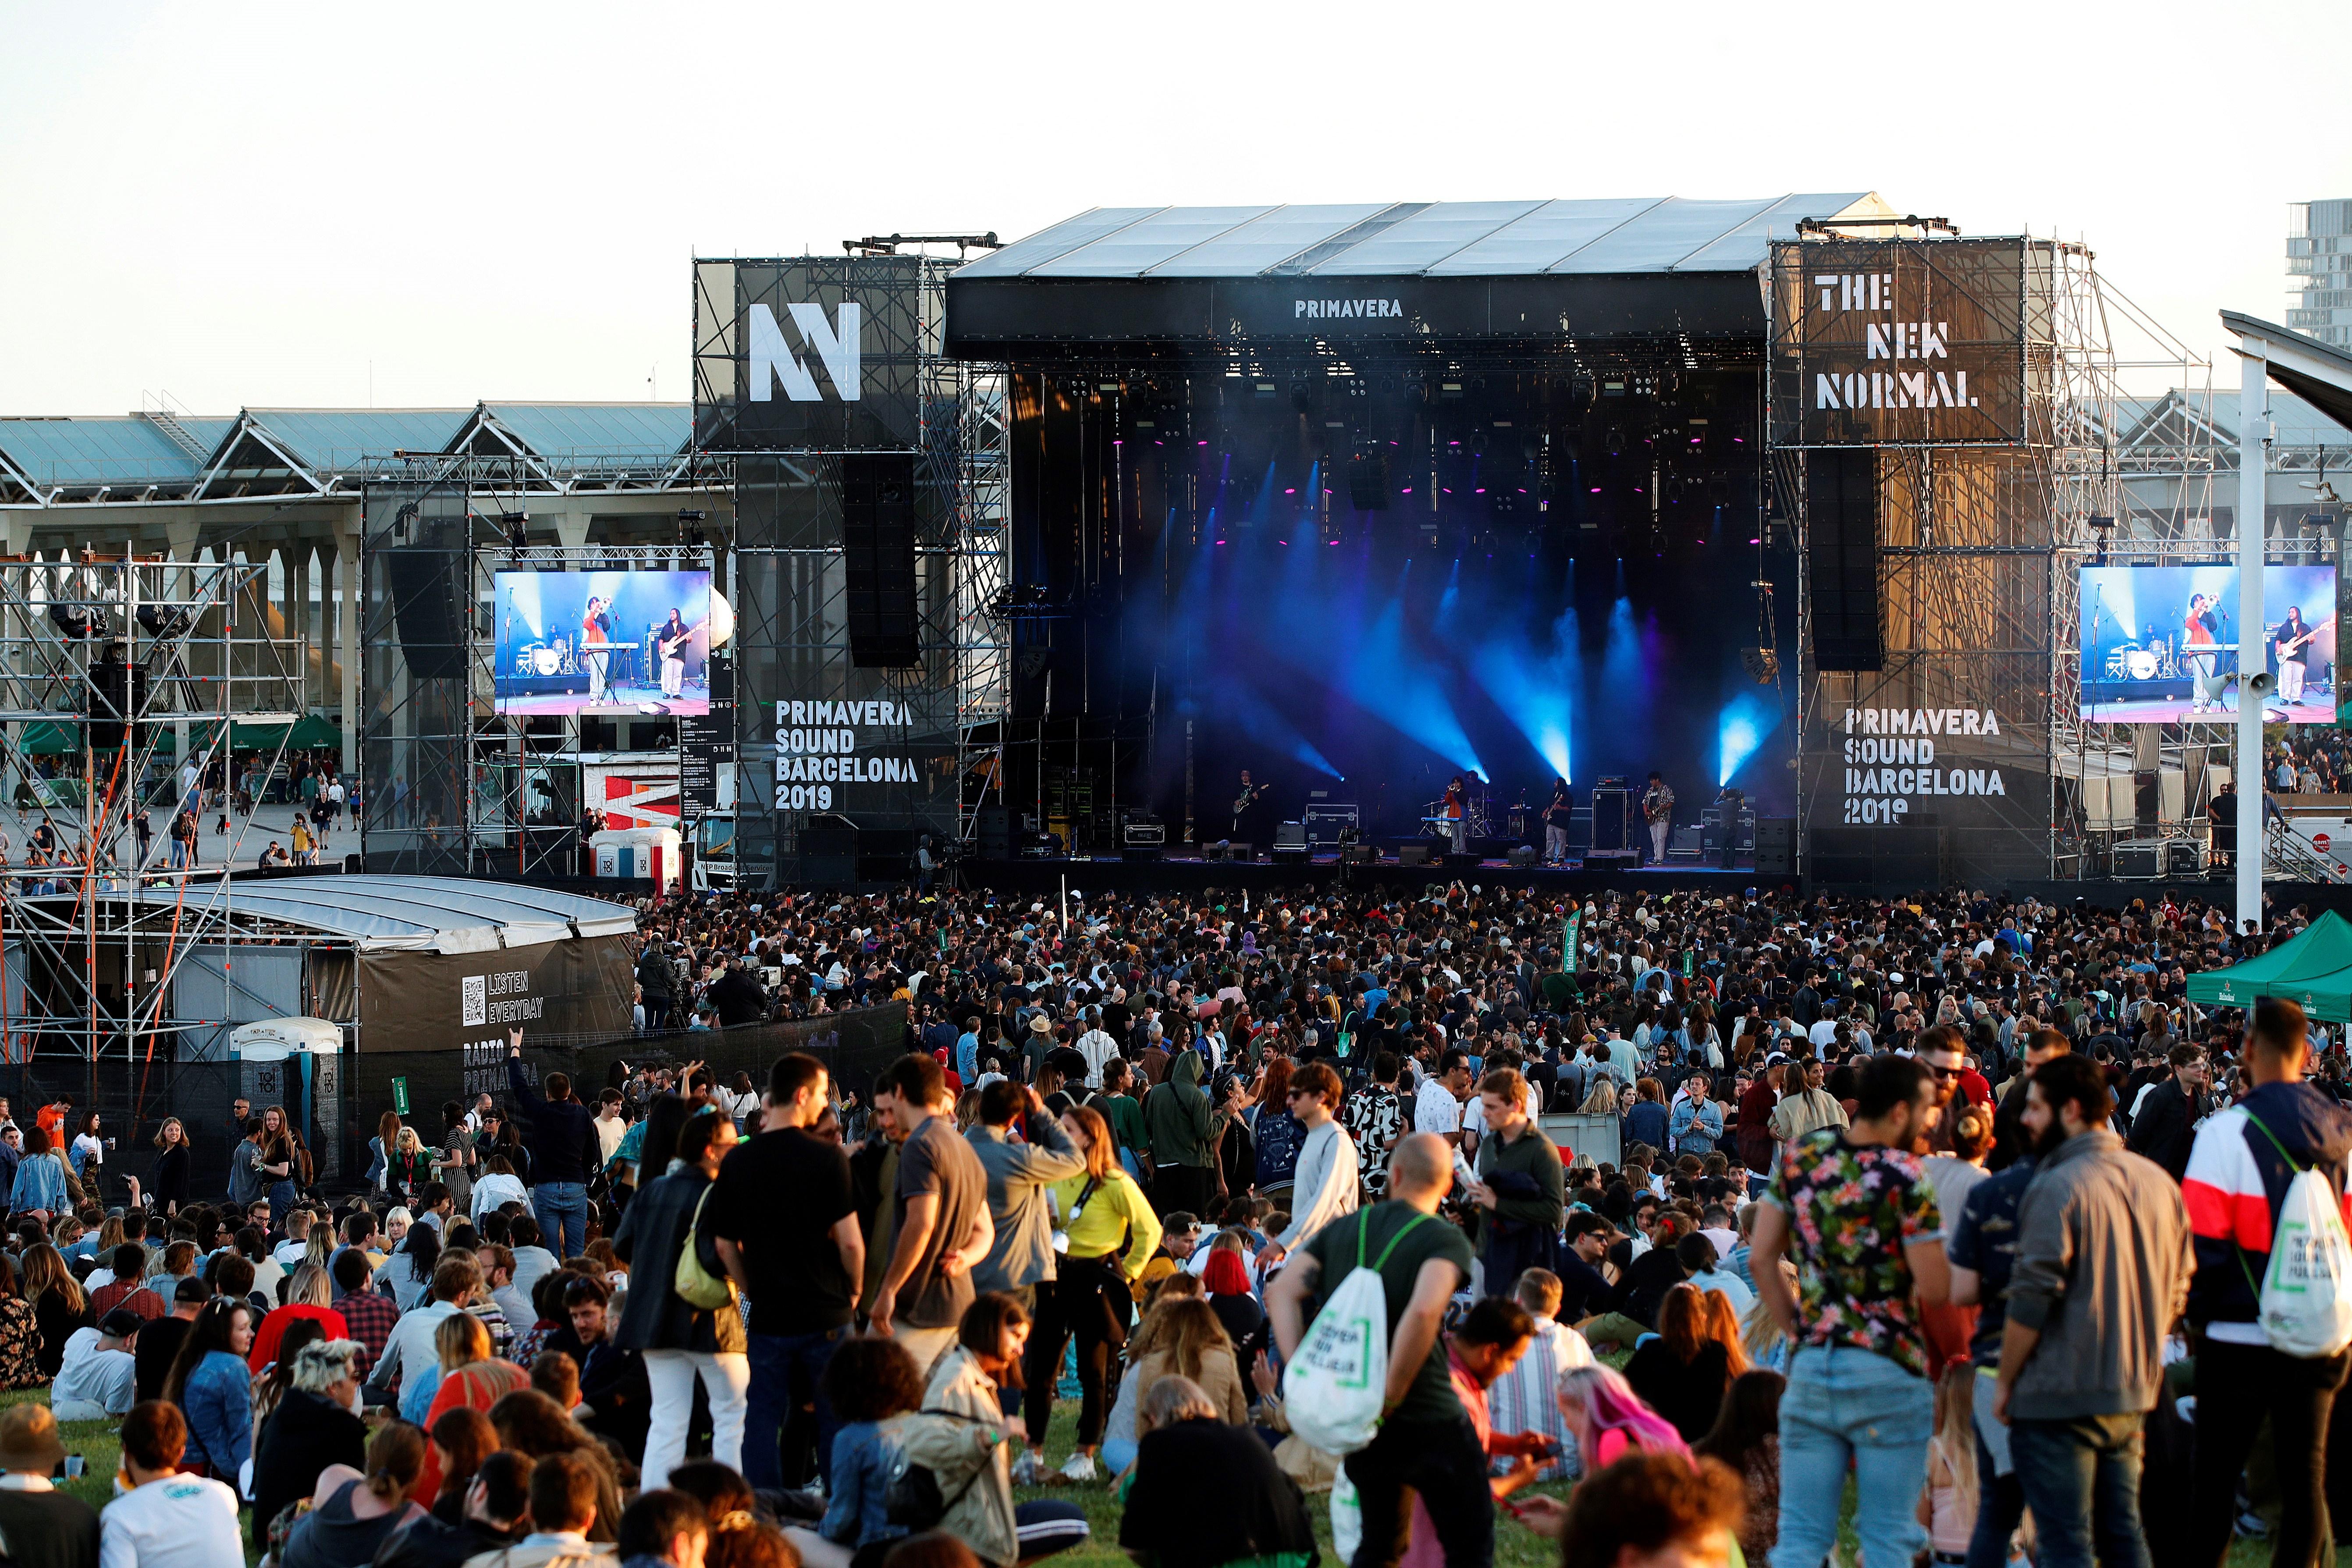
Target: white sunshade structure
(398, 913)
(2321, 374)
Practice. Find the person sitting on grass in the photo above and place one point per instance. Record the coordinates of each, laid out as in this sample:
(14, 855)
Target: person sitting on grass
(1190, 1452)
(868, 1384)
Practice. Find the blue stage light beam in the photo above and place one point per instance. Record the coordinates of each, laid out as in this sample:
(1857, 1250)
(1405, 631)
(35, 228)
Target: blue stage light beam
(1745, 721)
(1390, 682)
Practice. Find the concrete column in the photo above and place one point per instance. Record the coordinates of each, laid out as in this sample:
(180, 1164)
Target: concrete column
(571, 525)
(298, 619)
(347, 558)
(2253, 450)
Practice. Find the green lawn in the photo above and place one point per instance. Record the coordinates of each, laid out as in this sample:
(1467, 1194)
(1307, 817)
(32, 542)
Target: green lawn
(1515, 1546)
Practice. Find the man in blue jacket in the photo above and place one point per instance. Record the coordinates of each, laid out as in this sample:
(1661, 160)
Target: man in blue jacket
(563, 1147)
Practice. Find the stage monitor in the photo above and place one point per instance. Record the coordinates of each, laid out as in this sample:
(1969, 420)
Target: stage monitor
(603, 642)
(2160, 643)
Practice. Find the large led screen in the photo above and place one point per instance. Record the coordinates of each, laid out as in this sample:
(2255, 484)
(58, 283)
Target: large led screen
(603, 642)
(2160, 643)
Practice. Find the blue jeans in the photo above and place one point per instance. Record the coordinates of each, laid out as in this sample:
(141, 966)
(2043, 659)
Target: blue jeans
(2082, 1481)
(562, 1210)
(281, 1202)
(1848, 1407)
(785, 1373)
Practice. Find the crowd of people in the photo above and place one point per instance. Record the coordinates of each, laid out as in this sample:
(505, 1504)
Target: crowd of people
(1702, 1205)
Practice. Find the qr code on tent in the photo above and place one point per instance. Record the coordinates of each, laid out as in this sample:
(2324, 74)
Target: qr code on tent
(474, 992)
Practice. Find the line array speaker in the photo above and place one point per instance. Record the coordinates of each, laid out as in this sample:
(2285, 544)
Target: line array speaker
(1841, 556)
(1368, 482)
(424, 610)
(878, 536)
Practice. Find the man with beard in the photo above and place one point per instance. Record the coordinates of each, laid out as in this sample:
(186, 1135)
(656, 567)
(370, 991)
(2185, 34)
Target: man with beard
(2102, 1271)
(2238, 1173)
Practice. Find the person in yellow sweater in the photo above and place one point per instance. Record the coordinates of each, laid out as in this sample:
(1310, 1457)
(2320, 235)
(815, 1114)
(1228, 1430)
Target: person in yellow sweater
(1091, 1294)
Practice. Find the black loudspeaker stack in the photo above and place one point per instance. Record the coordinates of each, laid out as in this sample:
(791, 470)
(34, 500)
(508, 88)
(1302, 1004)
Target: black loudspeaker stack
(1841, 556)
(1776, 846)
(995, 833)
(423, 583)
(877, 537)
(1368, 482)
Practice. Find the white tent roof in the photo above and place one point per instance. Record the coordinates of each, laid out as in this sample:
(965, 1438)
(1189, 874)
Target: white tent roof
(430, 914)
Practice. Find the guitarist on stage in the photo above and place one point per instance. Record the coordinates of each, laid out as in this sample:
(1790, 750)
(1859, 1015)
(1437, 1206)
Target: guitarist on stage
(1243, 803)
(671, 639)
(2292, 644)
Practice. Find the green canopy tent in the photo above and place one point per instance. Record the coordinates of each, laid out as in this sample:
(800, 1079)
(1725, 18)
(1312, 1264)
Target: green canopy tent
(2313, 971)
(51, 739)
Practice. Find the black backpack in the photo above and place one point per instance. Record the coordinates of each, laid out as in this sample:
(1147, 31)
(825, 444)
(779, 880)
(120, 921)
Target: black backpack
(914, 1501)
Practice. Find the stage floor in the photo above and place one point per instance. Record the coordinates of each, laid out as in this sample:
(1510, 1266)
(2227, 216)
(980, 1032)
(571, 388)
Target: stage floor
(1188, 871)
(621, 701)
(2163, 710)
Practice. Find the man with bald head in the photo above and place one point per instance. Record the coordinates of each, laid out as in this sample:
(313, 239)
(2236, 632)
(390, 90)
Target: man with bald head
(1425, 1442)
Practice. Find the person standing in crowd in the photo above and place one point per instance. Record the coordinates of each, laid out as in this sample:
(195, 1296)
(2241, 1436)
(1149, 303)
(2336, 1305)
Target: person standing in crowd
(1425, 1444)
(564, 1148)
(1982, 1250)
(1179, 1124)
(1326, 1180)
(2102, 1271)
(798, 1262)
(1375, 1119)
(1021, 1259)
(1520, 1192)
(1854, 1206)
(2237, 1172)
(2163, 1127)
(682, 1342)
(941, 1225)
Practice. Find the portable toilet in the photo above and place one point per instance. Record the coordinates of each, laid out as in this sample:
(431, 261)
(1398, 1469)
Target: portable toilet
(640, 854)
(296, 1063)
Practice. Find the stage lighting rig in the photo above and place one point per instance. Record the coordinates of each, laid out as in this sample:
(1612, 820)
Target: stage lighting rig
(165, 620)
(518, 527)
(2101, 529)
(689, 527)
(79, 621)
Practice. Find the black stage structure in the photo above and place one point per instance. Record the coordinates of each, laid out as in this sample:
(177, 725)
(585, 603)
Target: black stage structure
(1364, 497)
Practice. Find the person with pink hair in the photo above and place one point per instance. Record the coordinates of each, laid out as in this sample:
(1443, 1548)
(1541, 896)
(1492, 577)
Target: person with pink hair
(1608, 1420)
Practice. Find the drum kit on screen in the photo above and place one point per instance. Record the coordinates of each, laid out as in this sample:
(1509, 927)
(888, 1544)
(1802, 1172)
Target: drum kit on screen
(563, 656)
(2155, 660)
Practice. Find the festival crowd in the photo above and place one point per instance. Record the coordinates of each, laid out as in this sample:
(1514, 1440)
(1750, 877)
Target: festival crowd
(1671, 1215)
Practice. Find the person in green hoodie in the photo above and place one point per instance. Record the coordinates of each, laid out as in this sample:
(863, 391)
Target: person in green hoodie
(1177, 1122)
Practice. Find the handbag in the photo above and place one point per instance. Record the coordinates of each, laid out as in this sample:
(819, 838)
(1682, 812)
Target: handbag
(697, 1286)
(914, 1501)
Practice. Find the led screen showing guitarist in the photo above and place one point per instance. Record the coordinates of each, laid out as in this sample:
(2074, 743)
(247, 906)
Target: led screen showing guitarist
(603, 640)
(670, 640)
(2291, 645)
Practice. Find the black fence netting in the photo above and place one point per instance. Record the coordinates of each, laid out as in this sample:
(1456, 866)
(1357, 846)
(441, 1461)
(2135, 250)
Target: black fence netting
(339, 1101)
(854, 1045)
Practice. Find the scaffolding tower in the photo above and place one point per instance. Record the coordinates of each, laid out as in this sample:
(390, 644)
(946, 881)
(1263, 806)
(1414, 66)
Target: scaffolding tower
(147, 667)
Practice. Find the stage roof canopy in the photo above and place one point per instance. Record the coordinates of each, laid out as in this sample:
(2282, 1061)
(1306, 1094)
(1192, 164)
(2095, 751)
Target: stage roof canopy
(1408, 275)
(428, 914)
(2320, 374)
(1422, 239)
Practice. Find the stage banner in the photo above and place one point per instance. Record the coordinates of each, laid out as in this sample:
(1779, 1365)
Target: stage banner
(1925, 795)
(705, 745)
(857, 757)
(813, 353)
(568, 992)
(1900, 341)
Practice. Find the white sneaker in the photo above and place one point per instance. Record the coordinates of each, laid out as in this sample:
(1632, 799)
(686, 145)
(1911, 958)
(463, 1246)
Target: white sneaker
(1024, 1470)
(1080, 1469)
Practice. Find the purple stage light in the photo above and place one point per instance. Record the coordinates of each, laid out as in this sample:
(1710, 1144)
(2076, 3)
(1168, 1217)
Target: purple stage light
(1290, 491)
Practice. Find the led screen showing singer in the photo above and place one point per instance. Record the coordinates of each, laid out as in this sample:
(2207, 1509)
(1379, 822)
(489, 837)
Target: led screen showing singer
(2160, 643)
(603, 642)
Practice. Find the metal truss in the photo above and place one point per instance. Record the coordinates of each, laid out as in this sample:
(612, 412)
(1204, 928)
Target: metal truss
(123, 654)
(982, 576)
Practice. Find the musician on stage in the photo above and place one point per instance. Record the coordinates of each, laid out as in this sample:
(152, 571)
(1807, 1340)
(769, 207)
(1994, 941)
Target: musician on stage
(2204, 653)
(595, 637)
(1556, 818)
(1244, 800)
(2291, 645)
(1658, 811)
(1458, 817)
(671, 642)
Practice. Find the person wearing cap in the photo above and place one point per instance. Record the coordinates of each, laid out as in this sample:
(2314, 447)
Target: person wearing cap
(41, 1524)
(99, 1377)
(165, 1520)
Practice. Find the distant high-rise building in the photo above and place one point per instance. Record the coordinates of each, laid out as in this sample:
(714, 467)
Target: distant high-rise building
(2319, 259)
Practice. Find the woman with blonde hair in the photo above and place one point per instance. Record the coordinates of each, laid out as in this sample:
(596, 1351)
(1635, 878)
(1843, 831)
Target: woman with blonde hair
(411, 1164)
(1192, 1344)
(1092, 1292)
(168, 1187)
(472, 1378)
(59, 1305)
(1602, 1101)
(1723, 1328)
(351, 1514)
(1948, 1503)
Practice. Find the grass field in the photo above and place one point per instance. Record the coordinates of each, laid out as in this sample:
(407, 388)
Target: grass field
(1515, 1546)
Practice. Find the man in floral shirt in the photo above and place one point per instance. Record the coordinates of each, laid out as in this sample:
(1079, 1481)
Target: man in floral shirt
(1373, 1118)
(1854, 1210)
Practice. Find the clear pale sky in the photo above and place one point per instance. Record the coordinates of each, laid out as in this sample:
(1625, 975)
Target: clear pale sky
(425, 205)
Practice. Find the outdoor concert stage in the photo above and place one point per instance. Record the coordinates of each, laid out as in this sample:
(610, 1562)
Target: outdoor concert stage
(1188, 874)
(1367, 499)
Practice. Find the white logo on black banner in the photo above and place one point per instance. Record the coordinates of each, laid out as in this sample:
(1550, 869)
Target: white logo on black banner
(474, 994)
(839, 345)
